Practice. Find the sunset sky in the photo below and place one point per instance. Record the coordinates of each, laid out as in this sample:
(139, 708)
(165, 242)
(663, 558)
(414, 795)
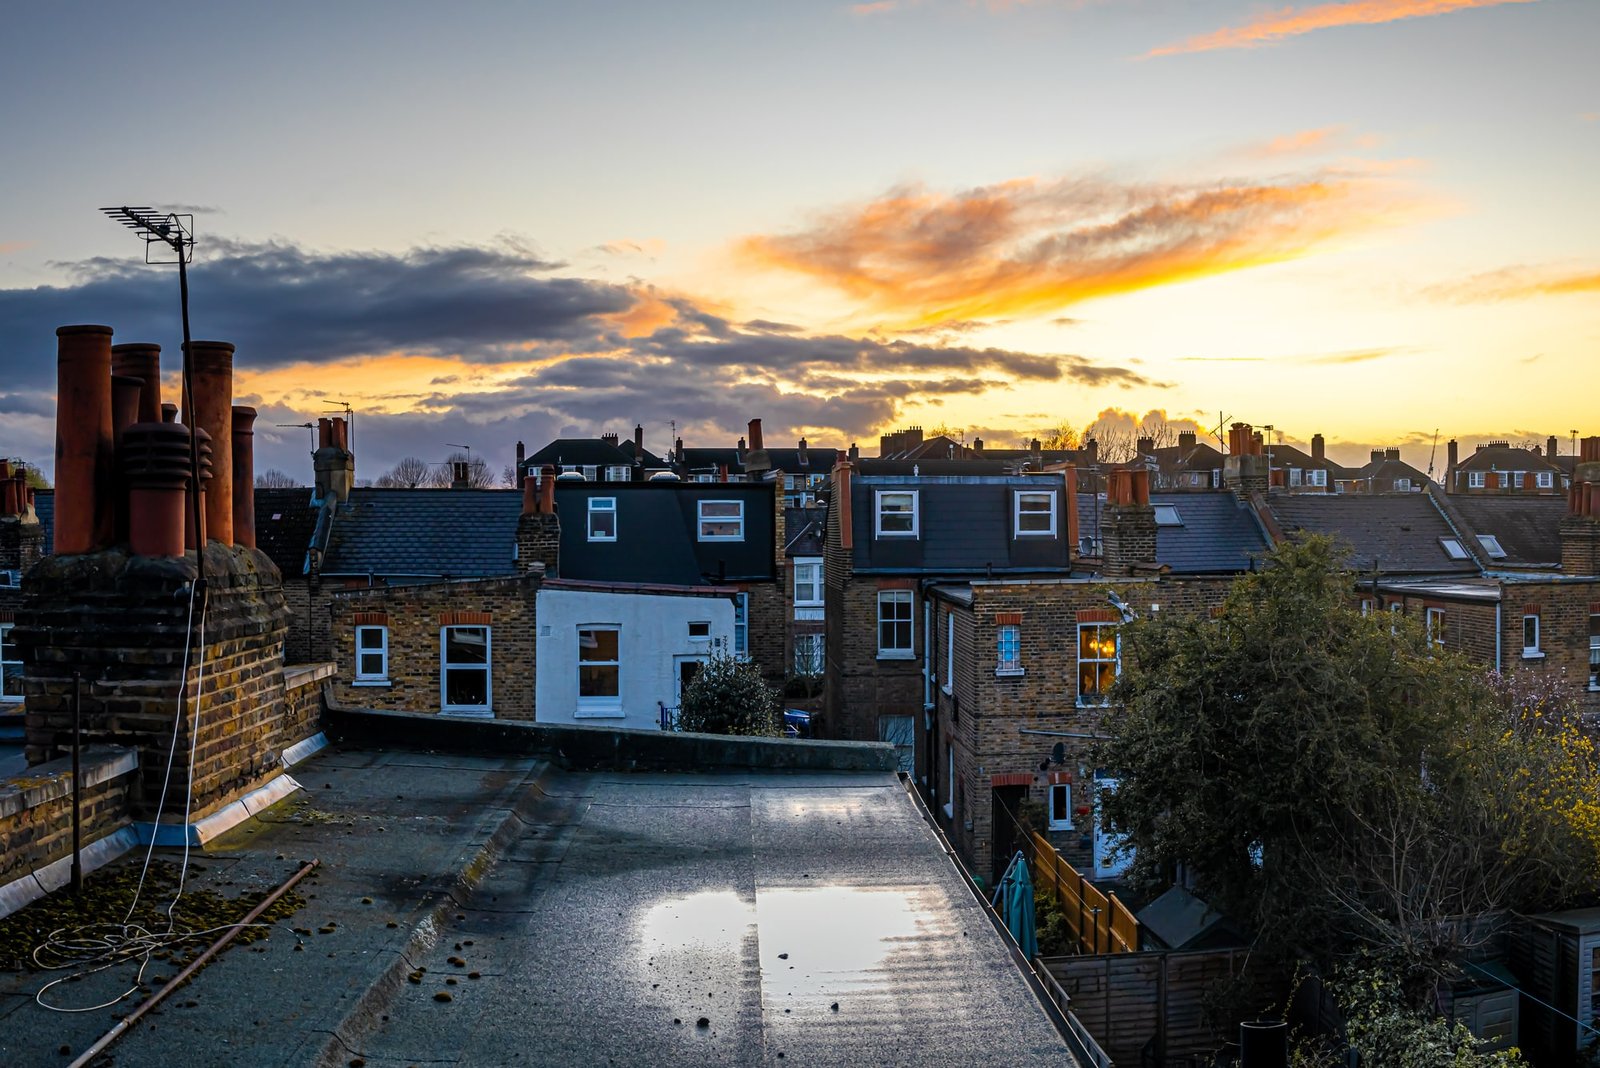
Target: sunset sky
(480, 223)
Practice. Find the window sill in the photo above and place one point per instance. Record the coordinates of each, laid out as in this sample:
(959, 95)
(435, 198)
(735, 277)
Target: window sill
(1093, 704)
(599, 713)
(893, 655)
(911, 534)
(372, 682)
(1009, 673)
(1063, 827)
(1532, 654)
(468, 713)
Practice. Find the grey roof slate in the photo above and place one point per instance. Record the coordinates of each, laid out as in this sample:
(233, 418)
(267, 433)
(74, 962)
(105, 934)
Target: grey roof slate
(425, 533)
(285, 520)
(964, 523)
(657, 533)
(804, 529)
(1401, 531)
(1528, 528)
(1219, 533)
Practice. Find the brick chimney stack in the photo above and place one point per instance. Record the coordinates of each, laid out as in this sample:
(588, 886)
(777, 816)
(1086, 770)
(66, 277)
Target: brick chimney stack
(756, 461)
(1245, 470)
(1145, 446)
(610, 437)
(539, 528)
(1128, 531)
(1552, 447)
(333, 462)
(21, 534)
(1580, 528)
(1186, 439)
(1319, 450)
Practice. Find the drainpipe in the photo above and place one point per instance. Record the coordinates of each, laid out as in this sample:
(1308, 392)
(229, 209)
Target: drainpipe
(1499, 606)
(927, 655)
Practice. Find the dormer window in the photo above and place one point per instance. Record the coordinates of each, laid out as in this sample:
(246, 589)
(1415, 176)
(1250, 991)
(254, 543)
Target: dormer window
(1547, 479)
(721, 520)
(1475, 480)
(1034, 513)
(896, 514)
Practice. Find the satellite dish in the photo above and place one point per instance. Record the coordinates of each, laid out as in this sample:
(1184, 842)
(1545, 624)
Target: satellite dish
(1058, 754)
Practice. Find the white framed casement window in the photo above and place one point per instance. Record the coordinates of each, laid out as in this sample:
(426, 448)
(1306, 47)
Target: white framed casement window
(602, 519)
(1295, 474)
(1547, 479)
(599, 670)
(1594, 652)
(1060, 806)
(809, 654)
(1033, 513)
(808, 587)
(10, 666)
(700, 630)
(1008, 650)
(741, 626)
(894, 625)
(1317, 477)
(721, 520)
(372, 656)
(1475, 480)
(1530, 637)
(896, 514)
(1099, 662)
(619, 473)
(464, 677)
(1435, 625)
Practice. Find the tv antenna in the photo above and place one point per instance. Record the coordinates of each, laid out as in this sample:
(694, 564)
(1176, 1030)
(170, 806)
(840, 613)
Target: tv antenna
(349, 420)
(169, 238)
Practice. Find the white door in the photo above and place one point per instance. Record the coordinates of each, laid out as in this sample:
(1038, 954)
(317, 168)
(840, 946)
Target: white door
(1112, 854)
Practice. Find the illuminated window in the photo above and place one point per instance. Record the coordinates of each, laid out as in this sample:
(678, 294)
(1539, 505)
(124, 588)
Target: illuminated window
(1098, 662)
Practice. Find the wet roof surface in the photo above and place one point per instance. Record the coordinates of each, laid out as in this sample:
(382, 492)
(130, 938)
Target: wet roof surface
(808, 917)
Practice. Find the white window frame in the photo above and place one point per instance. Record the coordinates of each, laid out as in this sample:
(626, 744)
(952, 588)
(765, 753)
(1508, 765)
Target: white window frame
(1547, 479)
(1089, 700)
(1402, 485)
(1295, 476)
(1060, 816)
(1531, 651)
(950, 781)
(1594, 652)
(599, 506)
(1167, 515)
(381, 677)
(9, 657)
(720, 520)
(1475, 480)
(810, 654)
(741, 626)
(879, 498)
(807, 591)
(1435, 630)
(1492, 546)
(703, 626)
(896, 652)
(1317, 476)
(619, 473)
(1454, 549)
(487, 667)
(1008, 634)
(602, 704)
(1017, 497)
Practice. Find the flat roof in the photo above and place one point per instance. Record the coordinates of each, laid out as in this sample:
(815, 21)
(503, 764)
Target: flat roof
(813, 916)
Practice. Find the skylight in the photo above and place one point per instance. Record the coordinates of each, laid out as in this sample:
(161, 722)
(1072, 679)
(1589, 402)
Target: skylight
(1167, 516)
(1453, 549)
(1491, 545)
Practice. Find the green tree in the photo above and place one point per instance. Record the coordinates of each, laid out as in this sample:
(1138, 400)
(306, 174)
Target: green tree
(1335, 779)
(729, 696)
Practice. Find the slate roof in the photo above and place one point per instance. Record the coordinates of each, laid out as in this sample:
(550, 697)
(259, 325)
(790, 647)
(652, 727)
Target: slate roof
(785, 460)
(581, 452)
(424, 533)
(1401, 531)
(285, 520)
(986, 466)
(1219, 534)
(1528, 528)
(804, 529)
(1380, 475)
(657, 525)
(1500, 457)
(964, 522)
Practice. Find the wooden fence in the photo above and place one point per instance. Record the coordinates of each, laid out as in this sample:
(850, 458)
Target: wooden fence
(1099, 922)
(1163, 1008)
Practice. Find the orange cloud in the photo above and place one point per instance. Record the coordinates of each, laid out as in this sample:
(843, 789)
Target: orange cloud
(1275, 26)
(1030, 247)
(1519, 283)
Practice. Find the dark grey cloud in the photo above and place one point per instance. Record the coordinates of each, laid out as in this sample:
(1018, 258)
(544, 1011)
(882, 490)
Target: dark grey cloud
(707, 375)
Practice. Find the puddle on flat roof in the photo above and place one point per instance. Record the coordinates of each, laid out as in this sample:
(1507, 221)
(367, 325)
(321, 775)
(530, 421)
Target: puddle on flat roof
(838, 939)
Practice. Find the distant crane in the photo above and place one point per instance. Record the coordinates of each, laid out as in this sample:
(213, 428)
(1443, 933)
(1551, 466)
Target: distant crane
(1432, 451)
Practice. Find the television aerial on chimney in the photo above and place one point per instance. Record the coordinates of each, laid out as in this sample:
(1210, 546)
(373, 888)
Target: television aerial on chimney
(349, 420)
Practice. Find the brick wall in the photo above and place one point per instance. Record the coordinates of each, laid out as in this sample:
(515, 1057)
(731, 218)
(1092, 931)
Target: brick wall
(414, 616)
(984, 714)
(302, 700)
(539, 542)
(36, 808)
(120, 622)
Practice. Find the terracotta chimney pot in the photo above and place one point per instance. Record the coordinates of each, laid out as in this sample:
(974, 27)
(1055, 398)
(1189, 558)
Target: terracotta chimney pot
(141, 360)
(155, 464)
(244, 476)
(85, 453)
(547, 490)
(211, 410)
